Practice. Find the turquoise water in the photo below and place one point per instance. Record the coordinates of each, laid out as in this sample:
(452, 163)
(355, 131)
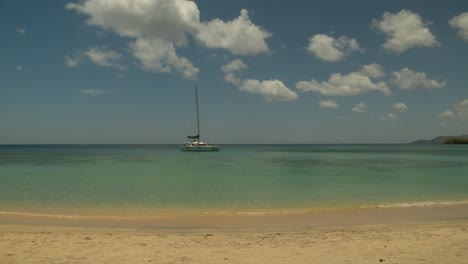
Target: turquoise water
(239, 177)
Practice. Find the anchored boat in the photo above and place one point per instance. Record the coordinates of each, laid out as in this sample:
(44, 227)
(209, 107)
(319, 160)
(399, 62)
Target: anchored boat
(194, 143)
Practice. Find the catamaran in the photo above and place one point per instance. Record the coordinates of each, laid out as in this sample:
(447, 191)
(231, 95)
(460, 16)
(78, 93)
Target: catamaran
(194, 143)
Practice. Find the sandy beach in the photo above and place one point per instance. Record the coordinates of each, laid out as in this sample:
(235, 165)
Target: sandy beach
(391, 235)
(415, 243)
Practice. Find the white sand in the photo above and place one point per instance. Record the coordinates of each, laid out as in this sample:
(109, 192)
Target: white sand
(397, 243)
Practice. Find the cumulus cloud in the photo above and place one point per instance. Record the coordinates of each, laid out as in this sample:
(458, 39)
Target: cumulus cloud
(230, 69)
(353, 83)
(240, 36)
(157, 19)
(159, 27)
(408, 79)
(361, 107)
(389, 116)
(404, 30)
(400, 107)
(328, 104)
(392, 116)
(331, 49)
(463, 103)
(445, 114)
(373, 70)
(93, 92)
(105, 58)
(235, 65)
(271, 90)
(160, 56)
(74, 60)
(460, 22)
(459, 110)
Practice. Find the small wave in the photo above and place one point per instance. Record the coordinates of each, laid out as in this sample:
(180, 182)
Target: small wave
(255, 213)
(420, 204)
(7, 213)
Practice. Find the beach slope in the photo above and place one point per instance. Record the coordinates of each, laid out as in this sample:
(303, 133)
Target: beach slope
(440, 242)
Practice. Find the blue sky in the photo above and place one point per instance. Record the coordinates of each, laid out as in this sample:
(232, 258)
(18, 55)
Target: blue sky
(101, 71)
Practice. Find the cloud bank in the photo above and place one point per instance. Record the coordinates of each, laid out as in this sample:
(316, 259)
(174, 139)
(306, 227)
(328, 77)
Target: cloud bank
(159, 27)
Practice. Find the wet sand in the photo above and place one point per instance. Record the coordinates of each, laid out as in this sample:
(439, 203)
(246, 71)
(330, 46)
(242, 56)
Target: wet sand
(237, 220)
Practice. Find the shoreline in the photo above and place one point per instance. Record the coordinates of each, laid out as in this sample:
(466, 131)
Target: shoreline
(393, 235)
(244, 220)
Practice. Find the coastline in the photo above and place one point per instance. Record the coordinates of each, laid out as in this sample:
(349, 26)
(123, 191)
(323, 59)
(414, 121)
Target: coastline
(294, 219)
(420, 233)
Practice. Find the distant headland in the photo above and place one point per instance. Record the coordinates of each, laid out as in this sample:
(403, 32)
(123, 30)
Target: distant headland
(463, 139)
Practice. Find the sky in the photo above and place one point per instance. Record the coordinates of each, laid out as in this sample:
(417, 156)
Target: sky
(267, 71)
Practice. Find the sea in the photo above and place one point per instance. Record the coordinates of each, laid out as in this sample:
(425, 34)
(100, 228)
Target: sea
(243, 178)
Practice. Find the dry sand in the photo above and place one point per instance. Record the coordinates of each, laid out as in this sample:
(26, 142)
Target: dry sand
(436, 242)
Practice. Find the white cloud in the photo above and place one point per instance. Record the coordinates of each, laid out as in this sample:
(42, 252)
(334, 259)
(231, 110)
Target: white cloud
(404, 30)
(460, 22)
(445, 114)
(235, 65)
(353, 83)
(331, 49)
(240, 36)
(409, 79)
(328, 104)
(232, 67)
(160, 56)
(156, 19)
(105, 58)
(73, 60)
(19, 68)
(400, 107)
(463, 103)
(461, 109)
(392, 116)
(373, 70)
(389, 116)
(232, 78)
(21, 31)
(93, 92)
(271, 90)
(158, 27)
(361, 107)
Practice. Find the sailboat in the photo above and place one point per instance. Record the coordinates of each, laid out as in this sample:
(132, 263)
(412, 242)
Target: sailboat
(194, 143)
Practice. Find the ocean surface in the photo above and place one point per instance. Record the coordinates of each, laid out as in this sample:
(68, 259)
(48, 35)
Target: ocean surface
(156, 178)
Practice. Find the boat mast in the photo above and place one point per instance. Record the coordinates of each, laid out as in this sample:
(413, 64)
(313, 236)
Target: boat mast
(198, 115)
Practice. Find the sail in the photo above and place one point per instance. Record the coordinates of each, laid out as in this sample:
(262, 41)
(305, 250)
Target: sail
(197, 136)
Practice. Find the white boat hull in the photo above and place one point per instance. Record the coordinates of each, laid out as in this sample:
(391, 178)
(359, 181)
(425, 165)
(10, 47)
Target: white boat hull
(199, 148)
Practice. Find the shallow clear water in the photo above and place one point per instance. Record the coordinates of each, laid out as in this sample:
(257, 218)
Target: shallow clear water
(239, 177)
